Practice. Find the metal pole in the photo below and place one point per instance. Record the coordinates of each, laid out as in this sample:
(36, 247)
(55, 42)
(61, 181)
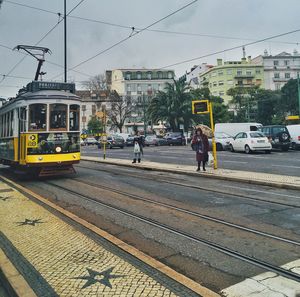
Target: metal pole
(65, 37)
(214, 147)
(144, 111)
(105, 136)
(298, 82)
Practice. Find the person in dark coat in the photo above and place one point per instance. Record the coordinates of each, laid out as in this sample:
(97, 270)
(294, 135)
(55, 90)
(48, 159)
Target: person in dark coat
(200, 143)
(138, 140)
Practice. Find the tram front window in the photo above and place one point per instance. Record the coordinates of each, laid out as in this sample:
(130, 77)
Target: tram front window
(37, 117)
(74, 117)
(58, 117)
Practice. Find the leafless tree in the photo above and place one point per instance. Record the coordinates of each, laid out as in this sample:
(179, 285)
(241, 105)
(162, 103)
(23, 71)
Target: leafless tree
(121, 109)
(96, 83)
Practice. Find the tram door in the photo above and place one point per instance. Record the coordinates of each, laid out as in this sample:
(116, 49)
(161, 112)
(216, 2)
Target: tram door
(22, 149)
(22, 136)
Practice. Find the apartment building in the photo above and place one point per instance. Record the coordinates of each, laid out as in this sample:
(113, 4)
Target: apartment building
(225, 75)
(278, 69)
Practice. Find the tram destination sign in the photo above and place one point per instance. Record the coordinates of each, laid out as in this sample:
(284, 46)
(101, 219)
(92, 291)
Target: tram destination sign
(35, 86)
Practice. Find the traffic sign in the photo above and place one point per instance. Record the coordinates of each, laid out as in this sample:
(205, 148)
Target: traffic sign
(200, 106)
(32, 140)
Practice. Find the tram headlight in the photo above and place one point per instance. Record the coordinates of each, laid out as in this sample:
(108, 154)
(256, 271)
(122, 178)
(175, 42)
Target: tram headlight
(74, 156)
(40, 158)
(58, 149)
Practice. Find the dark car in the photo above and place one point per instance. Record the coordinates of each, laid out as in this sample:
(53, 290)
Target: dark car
(113, 141)
(154, 140)
(129, 141)
(175, 138)
(278, 135)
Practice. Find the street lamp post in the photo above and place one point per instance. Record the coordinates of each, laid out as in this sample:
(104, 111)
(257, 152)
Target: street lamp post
(144, 113)
(65, 40)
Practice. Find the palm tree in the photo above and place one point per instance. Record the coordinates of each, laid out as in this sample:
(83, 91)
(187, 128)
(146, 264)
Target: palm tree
(172, 105)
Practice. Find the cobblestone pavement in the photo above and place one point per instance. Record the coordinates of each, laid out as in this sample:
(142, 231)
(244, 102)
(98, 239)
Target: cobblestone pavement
(57, 259)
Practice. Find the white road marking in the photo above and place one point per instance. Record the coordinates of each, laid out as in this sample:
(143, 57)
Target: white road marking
(288, 166)
(259, 191)
(227, 161)
(267, 284)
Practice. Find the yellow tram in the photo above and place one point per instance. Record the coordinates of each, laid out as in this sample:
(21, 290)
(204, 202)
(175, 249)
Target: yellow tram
(40, 130)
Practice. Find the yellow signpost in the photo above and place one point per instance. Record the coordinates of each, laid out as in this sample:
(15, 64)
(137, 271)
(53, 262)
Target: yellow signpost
(204, 107)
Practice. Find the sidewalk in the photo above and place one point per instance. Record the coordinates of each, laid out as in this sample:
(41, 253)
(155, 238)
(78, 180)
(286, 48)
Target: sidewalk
(56, 258)
(266, 179)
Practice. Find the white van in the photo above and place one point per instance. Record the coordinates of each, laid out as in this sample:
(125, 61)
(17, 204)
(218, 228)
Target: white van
(234, 128)
(124, 135)
(294, 131)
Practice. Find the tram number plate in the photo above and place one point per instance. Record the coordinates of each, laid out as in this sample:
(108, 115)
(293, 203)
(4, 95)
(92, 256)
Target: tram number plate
(32, 140)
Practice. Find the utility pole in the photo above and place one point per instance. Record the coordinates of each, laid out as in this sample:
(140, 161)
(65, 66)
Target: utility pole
(298, 83)
(65, 37)
(144, 112)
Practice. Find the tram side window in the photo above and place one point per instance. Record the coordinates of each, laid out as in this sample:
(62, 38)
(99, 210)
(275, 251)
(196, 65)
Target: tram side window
(37, 116)
(58, 117)
(74, 117)
(23, 119)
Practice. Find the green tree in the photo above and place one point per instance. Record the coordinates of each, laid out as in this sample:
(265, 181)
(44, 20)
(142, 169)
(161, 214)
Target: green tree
(95, 125)
(172, 105)
(289, 100)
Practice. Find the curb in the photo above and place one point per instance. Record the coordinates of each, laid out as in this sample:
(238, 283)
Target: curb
(12, 280)
(157, 265)
(207, 174)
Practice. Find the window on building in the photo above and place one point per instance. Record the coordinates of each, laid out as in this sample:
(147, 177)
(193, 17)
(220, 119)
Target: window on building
(37, 117)
(128, 76)
(275, 62)
(220, 73)
(139, 75)
(287, 75)
(286, 62)
(229, 71)
(149, 75)
(129, 87)
(170, 74)
(240, 82)
(159, 87)
(160, 75)
(257, 71)
(94, 109)
(239, 72)
(277, 87)
(139, 99)
(276, 75)
(230, 82)
(210, 85)
(74, 117)
(139, 89)
(58, 116)
(221, 93)
(214, 74)
(83, 107)
(215, 84)
(215, 93)
(248, 72)
(249, 81)
(221, 82)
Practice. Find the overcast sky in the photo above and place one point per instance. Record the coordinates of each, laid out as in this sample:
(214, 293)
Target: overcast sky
(255, 19)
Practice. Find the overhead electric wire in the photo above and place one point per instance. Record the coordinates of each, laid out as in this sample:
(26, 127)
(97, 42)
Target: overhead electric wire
(134, 33)
(150, 30)
(231, 48)
(59, 21)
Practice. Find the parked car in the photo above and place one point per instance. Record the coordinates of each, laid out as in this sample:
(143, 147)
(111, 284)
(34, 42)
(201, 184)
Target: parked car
(250, 141)
(294, 131)
(278, 135)
(124, 135)
(222, 141)
(175, 138)
(115, 141)
(90, 141)
(129, 141)
(154, 140)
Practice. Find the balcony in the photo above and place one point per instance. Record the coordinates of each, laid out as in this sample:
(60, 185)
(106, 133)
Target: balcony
(281, 79)
(237, 76)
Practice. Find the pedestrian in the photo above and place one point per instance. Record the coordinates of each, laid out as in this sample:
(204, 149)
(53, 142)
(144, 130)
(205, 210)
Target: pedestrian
(200, 145)
(138, 144)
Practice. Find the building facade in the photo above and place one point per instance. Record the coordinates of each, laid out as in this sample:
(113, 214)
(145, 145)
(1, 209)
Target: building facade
(278, 69)
(141, 85)
(91, 105)
(192, 77)
(219, 79)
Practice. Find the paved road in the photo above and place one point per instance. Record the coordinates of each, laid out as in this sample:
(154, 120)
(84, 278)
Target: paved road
(211, 268)
(284, 163)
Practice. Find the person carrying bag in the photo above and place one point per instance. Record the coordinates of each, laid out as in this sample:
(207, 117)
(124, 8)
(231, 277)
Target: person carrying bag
(137, 148)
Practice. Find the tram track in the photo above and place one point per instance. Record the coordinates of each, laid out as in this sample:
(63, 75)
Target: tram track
(189, 212)
(215, 246)
(191, 186)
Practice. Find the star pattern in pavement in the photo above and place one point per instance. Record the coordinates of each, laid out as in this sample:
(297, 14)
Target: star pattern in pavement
(30, 222)
(94, 277)
(4, 198)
